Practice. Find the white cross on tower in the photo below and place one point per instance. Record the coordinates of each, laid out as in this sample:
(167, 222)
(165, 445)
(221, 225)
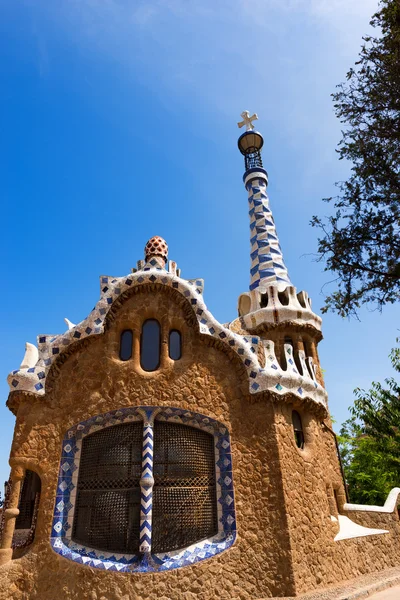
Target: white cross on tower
(247, 120)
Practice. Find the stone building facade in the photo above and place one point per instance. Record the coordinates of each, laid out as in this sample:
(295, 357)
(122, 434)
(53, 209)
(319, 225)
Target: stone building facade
(161, 454)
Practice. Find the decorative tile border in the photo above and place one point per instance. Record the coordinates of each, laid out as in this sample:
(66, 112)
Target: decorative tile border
(260, 378)
(61, 540)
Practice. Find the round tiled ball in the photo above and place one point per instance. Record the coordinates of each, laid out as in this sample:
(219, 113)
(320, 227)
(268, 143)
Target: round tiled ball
(156, 246)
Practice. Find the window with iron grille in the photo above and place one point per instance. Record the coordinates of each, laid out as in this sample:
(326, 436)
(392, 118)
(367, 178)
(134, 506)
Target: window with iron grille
(30, 490)
(107, 513)
(184, 503)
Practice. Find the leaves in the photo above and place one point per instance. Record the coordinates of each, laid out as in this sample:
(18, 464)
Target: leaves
(361, 242)
(370, 441)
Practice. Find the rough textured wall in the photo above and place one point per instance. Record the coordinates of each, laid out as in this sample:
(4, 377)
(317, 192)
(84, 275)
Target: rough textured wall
(310, 477)
(93, 380)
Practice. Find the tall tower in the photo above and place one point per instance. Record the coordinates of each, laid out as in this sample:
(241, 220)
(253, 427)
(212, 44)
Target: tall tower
(273, 304)
(267, 266)
(173, 452)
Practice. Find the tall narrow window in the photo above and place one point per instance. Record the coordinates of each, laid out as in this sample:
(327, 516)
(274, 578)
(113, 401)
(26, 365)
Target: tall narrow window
(30, 489)
(125, 346)
(298, 429)
(25, 523)
(184, 493)
(175, 344)
(107, 514)
(150, 345)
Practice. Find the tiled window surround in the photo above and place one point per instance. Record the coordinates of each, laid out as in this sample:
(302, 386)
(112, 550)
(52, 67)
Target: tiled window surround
(146, 561)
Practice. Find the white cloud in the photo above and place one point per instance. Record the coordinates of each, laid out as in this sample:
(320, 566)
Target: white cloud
(279, 57)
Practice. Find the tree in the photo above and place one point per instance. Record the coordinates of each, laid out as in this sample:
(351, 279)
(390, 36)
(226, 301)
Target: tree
(370, 441)
(368, 469)
(361, 241)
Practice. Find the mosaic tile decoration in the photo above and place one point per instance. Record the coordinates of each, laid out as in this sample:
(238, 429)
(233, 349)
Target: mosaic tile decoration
(267, 264)
(273, 309)
(147, 480)
(260, 378)
(61, 540)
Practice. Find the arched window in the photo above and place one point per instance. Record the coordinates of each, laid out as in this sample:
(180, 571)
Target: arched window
(175, 344)
(184, 500)
(184, 493)
(125, 346)
(298, 429)
(107, 513)
(140, 480)
(150, 343)
(283, 297)
(263, 300)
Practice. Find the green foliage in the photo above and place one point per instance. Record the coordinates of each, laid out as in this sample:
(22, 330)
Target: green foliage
(370, 441)
(361, 242)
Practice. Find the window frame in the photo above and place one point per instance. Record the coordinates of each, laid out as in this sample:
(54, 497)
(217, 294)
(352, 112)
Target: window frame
(180, 344)
(150, 320)
(300, 443)
(61, 536)
(122, 334)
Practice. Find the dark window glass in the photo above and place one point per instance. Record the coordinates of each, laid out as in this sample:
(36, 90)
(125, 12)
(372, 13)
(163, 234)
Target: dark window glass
(125, 347)
(264, 301)
(107, 513)
(30, 490)
(298, 429)
(283, 297)
(335, 493)
(150, 345)
(175, 345)
(184, 493)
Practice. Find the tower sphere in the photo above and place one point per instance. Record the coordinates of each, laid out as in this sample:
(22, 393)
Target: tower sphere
(156, 246)
(250, 142)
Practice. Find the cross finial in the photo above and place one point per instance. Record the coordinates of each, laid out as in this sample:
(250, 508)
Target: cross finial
(247, 120)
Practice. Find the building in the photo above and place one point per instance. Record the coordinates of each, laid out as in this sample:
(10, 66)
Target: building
(158, 453)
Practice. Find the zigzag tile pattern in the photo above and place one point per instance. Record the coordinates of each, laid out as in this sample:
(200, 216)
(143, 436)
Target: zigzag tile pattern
(146, 481)
(61, 535)
(267, 264)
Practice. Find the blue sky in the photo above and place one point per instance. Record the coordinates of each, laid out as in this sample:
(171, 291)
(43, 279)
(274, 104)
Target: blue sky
(119, 123)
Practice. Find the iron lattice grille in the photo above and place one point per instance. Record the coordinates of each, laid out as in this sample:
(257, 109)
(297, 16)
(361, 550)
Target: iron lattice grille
(184, 493)
(107, 513)
(30, 488)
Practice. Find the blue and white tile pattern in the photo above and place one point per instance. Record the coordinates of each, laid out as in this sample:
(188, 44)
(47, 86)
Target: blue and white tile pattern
(267, 266)
(61, 538)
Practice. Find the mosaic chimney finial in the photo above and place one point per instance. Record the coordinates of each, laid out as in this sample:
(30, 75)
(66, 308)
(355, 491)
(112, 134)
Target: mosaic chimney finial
(156, 249)
(267, 266)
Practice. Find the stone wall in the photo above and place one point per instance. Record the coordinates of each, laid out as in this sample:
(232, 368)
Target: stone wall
(313, 489)
(284, 496)
(92, 380)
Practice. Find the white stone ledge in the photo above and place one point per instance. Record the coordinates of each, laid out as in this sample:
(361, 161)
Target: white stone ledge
(348, 530)
(388, 507)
